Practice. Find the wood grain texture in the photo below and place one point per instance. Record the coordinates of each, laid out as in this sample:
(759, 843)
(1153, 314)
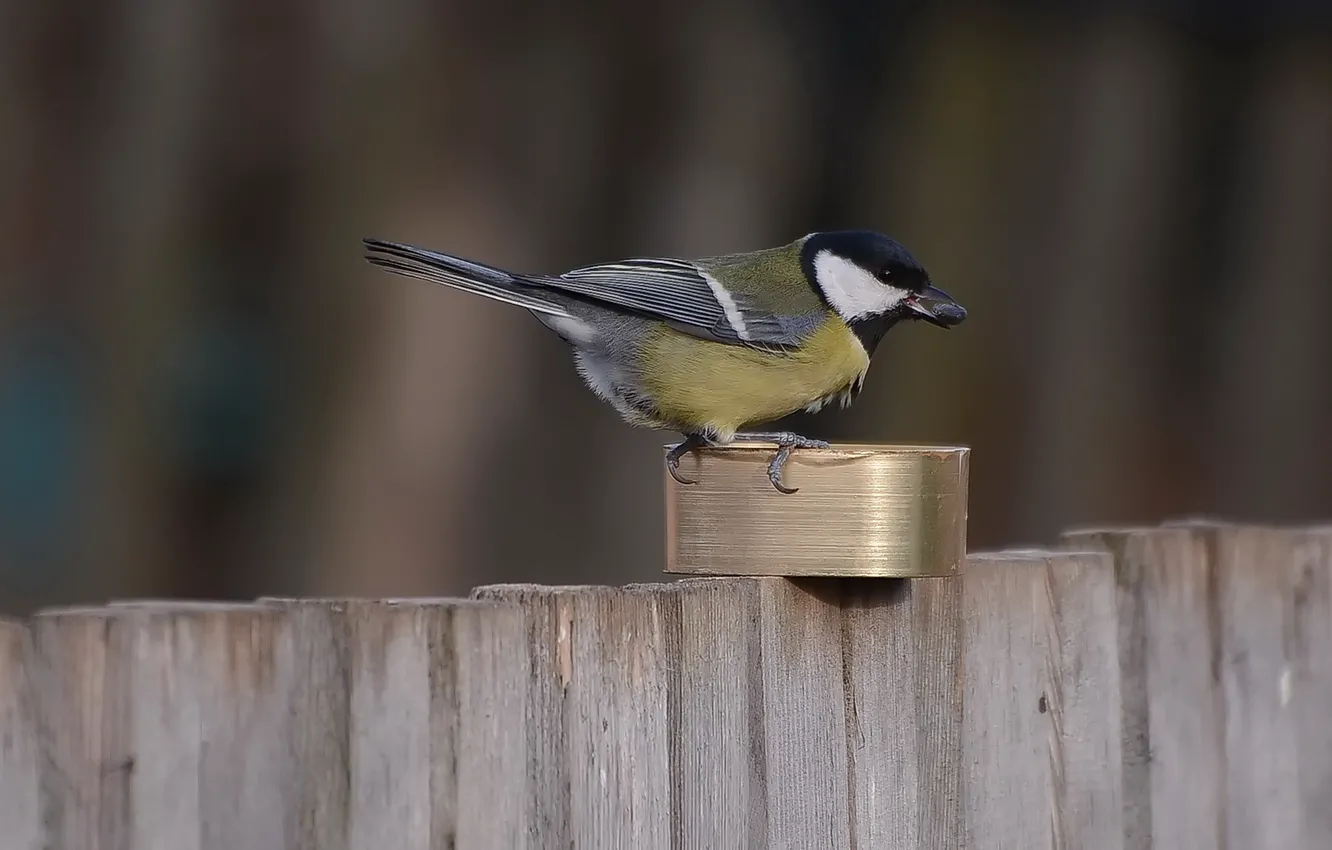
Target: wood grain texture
(1041, 735)
(393, 793)
(242, 671)
(1231, 672)
(164, 729)
(901, 644)
(493, 679)
(320, 739)
(1147, 688)
(20, 804)
(1275, 640)
(550, 660)
(1308, 688)
(76, 670)
(1173, 751)
(716, 744)
(819, 713)
(597, 713)
(804, 713)
(413, 730)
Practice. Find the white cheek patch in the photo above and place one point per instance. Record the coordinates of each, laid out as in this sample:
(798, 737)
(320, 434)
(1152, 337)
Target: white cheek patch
(853, 292)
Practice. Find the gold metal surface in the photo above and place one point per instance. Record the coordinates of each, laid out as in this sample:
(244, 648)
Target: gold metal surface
(862, 510)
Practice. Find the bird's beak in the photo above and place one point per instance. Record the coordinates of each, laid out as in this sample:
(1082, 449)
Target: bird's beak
(937, 307)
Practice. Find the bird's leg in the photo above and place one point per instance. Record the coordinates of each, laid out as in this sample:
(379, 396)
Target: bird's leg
(690, 442)
(787, 441)
(781, 438)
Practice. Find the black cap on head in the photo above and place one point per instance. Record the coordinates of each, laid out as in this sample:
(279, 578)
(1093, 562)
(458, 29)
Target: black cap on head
(874, 252)
(873, 282)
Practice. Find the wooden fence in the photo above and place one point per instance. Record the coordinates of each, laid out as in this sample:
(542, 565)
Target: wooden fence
(1165, 687)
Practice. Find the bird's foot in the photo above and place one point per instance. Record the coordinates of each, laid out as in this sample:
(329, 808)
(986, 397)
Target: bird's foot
(787, 441)
(690, 442)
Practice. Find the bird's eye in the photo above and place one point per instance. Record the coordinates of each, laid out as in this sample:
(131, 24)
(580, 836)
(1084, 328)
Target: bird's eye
(886, 275)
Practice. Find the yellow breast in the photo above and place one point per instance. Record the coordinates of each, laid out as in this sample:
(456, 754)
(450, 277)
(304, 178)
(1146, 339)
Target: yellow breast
(701, 384)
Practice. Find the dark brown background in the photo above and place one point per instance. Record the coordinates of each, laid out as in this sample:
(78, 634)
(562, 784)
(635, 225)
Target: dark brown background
(205, 391)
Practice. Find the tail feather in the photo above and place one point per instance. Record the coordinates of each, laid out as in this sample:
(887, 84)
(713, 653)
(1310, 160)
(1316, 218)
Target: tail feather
(458, 273)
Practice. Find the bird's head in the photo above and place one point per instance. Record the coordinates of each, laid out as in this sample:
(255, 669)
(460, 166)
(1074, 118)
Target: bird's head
(872, 283)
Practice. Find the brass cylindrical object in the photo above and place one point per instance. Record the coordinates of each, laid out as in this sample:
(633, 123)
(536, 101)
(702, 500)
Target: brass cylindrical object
(861, 510)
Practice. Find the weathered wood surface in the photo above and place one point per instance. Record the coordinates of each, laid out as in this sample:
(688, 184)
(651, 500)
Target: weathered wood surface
(901, 644)
(716, 749)
(163, 728)
(20, 804)
(1141, 688)
(1042, 737)
(596, 714)
(410, 731)
(1225, 638)
(744, 712)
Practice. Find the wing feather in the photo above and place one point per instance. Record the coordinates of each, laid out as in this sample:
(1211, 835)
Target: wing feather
(680, 292)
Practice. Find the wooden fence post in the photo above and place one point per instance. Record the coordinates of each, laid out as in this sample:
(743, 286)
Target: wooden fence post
(596, 715)
(1041, 738)
(410, 730)
(1142, 688)
(747, 712)
(1275, 647)
(805, 747)
(715, 714)
(320, 737)
(901, 653)
(162, 727)
(20, 804)
(1225, 639)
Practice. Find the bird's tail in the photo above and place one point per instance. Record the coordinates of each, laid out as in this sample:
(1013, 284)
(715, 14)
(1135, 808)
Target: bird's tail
(458, 273)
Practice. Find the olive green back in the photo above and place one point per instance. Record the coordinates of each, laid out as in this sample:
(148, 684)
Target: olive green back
(770, 279)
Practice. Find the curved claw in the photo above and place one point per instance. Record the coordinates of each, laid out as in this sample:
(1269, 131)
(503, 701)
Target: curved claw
(673, 466)
(678, 451)
(775, 470)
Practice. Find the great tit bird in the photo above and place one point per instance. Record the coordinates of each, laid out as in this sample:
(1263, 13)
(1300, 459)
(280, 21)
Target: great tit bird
(712, 346)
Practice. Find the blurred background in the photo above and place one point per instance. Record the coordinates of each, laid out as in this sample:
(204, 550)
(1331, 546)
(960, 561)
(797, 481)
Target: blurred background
(205, 391)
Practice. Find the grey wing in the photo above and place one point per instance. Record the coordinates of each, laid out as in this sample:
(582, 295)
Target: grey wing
(680, 293)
